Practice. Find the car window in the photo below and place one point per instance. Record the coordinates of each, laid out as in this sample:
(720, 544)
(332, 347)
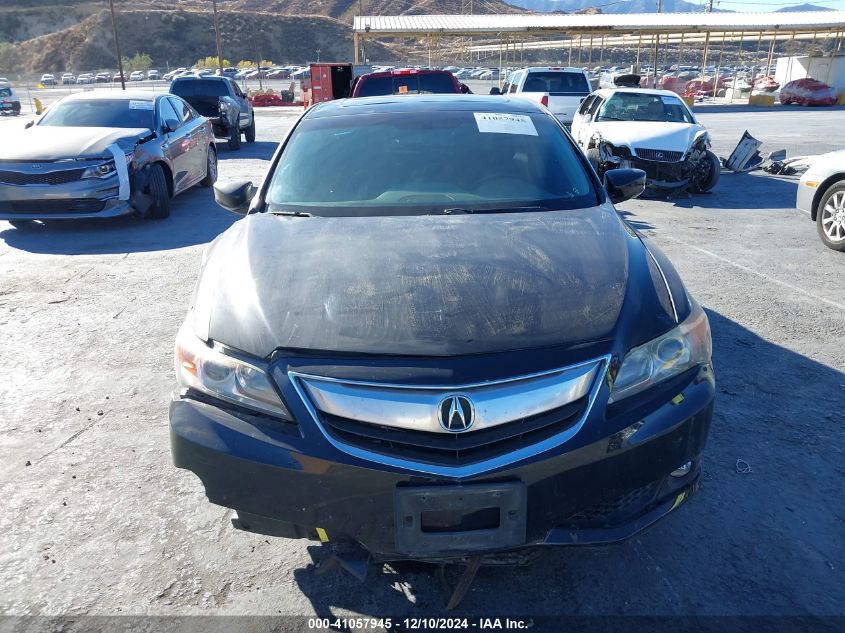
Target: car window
(121, 113)
(515, 84)
(434, 83)
(639, 106)
(5, 92)
(413, 163)
(595, 105)
(167, 112)
(183, 111)
(199, 88)
(557, 82)
(585, 106)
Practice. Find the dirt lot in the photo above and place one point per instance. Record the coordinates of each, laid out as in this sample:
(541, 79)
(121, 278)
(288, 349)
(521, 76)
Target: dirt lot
(97, 521)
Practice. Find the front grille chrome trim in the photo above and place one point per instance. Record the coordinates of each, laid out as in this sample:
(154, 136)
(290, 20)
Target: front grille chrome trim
(595, 369)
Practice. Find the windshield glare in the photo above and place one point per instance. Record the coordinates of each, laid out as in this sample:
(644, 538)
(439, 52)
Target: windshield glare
(634, 106)
(123, 113)
(417, 163)
(199, 88)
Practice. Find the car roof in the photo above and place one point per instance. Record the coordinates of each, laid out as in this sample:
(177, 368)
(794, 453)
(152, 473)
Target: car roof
(134, 95)
(204, 77)
(424, 103)
(606, 92)
(404, 72)
(568, 69)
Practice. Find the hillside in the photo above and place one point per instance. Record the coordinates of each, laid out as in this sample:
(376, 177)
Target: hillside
(346, 9)
(181, 37)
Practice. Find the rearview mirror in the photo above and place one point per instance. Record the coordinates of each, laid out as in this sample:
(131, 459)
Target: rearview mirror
(234, 195)
(29, 124)
(495, 91)
(624, 184)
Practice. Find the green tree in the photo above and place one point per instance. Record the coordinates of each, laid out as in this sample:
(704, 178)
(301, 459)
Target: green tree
(245, 63)
(140, 61)
(9, 57)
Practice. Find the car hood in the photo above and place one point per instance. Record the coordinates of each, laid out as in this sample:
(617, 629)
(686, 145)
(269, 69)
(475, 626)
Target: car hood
(425, 285)
(50, 142)
(676, 137)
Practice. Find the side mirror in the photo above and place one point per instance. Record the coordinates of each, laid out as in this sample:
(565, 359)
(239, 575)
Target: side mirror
(29, 124)
(495, 91)
(170, 125)
(235, 195)
(588, 118)
(624, 184)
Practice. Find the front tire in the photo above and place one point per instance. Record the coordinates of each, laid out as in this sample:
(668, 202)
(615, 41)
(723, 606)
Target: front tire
(234, 138)
(830, 218)
(210, 168)
(249, 133)
(706, 180)
(157, 189)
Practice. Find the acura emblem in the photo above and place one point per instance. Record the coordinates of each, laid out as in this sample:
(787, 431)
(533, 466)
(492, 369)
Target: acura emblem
(456, 413)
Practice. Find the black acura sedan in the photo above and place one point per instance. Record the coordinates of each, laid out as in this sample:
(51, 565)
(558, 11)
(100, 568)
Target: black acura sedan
(433, 335)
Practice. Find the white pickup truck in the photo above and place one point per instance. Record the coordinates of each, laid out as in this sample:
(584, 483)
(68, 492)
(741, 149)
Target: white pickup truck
(561, 90)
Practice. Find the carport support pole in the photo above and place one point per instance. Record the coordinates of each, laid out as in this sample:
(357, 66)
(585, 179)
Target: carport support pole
(706, 48)
(636, 68)
(771, 52)
(355, 43)
(719, 67)
(656, 53)
(571, 39)
(117, 46)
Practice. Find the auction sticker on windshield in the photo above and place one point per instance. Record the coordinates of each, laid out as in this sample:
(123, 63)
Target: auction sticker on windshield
(140, 105)
(499, 123)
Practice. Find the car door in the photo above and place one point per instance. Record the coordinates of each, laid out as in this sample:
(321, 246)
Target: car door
(578, 117)
(197, 147)
(244, 105)
(175, 145)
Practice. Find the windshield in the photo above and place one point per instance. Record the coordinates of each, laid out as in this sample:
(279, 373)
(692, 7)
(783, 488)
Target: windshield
(199, 88)
(5, 92)
(401, 163)
(127, 113)
(429, 83)
(557, 82)
(637, 106)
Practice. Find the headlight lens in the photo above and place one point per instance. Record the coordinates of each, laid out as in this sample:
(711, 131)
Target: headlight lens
(205, 369)
(105, 170)
(668, 355)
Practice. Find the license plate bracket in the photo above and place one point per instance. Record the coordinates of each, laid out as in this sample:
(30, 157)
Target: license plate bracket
(413, 504)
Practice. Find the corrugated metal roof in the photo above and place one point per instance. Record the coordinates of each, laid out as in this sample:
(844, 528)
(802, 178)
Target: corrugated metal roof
(511, 23)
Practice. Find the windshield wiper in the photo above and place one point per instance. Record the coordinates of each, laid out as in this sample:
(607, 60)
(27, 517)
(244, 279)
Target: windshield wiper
(293, 214)
(452, 210)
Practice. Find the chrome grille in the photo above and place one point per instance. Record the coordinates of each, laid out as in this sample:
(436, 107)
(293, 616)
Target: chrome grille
(660, 155)
(21, 178)
(401, 424)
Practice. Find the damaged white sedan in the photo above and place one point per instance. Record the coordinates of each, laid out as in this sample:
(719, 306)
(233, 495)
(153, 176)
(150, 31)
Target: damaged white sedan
(652, 130)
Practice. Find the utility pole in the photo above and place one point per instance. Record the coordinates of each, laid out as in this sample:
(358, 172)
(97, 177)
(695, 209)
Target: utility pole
(117, 46)
(709, 6)
(657, 43)
(217, 39)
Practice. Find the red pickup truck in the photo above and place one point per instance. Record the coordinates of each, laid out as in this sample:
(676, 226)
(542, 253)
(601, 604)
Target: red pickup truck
(409, 81)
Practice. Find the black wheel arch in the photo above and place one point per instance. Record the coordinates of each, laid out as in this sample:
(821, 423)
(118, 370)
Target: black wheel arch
(820, 191)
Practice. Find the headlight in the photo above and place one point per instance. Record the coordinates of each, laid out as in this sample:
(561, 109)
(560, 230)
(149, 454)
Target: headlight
(668, 355)
(105, 170)
(205, 369)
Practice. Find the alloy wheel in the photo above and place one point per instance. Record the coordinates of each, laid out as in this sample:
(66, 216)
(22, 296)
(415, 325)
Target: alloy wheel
(833, 217)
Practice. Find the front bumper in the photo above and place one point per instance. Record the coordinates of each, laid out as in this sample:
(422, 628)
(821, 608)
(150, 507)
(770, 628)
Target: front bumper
(805, 195)
(88, 198)
(596, 492)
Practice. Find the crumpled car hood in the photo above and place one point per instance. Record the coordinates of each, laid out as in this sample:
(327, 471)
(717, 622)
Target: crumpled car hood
(423, 285)
(677, 137)
(50, 142)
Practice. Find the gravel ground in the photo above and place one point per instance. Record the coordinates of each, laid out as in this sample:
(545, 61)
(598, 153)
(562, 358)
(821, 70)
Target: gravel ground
(97, 520)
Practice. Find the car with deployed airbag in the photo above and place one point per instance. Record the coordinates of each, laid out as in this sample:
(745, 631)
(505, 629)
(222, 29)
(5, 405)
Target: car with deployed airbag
(432, 336)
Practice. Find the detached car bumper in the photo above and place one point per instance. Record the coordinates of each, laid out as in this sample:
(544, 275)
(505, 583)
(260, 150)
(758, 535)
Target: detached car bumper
(646, 465)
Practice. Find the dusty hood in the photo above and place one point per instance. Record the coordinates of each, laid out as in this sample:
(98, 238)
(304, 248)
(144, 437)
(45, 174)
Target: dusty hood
(427, 286)
(50, 142)
(676, 137)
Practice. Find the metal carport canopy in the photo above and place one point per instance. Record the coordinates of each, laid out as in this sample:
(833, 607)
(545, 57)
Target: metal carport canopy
(542, 24)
